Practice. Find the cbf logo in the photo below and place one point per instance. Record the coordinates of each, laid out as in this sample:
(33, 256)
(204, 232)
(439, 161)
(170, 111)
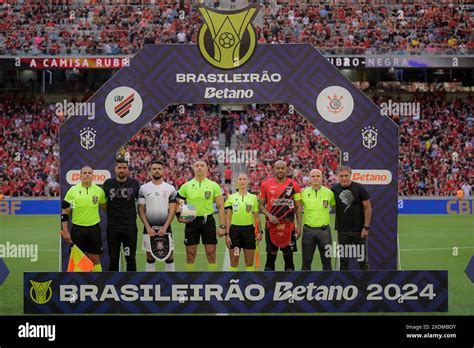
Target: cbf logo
(369, 137)
(227, 39)
(123, 105)
(40, 292)
(87, 135)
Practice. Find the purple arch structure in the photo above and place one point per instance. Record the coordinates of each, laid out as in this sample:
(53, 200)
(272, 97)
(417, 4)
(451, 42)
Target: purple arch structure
(292, 74)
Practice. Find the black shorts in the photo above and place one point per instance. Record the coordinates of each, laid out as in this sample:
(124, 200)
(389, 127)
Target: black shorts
(242, 237)
(228, 182)
(87, 238)
(272, 248)
(200, 228)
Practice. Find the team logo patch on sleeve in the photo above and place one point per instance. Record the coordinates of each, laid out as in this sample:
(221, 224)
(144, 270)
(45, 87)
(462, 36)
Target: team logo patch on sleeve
(325, 204)
(207, 194)
(95, 199)
(248, 208)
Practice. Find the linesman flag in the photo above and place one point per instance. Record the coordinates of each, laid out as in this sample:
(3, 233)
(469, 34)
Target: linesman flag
(257, 252)
(78, 262)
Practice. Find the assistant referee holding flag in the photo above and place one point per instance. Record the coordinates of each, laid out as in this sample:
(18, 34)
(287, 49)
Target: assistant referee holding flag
(84, 200)
(317, 202)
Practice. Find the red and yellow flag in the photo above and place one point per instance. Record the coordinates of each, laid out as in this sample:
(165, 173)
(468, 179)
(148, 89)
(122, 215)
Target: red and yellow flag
(78, 261)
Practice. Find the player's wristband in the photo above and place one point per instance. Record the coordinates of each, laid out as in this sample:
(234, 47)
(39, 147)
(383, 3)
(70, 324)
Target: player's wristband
(64, 217)
(221, 226)
(367, 228)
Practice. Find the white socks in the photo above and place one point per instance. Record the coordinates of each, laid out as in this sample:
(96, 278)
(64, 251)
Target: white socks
(169, 267)
(150, 267)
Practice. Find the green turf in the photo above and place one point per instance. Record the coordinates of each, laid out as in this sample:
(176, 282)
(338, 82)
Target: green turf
(427, 242)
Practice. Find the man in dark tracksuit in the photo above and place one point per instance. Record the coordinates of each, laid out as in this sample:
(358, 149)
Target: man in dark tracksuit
(122, 193)
(353, 214)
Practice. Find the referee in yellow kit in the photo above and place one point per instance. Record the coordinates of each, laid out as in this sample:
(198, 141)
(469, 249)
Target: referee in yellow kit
(317, 201)
(242, 221)
(84, 199)
(202, 193)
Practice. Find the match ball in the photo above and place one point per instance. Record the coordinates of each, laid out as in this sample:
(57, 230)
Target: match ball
(188, 213)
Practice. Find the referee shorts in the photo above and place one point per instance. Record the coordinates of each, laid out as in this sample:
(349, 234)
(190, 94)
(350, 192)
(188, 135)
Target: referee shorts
(242, 237)
(87, 238)
(200, 229)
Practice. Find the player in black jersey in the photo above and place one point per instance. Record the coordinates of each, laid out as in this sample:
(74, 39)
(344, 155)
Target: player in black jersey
(122, 193)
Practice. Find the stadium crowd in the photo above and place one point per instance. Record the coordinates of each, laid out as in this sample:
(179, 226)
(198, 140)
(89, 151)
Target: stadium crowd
(436, 149)
(29, 147)
(179, 139)
(103, 27)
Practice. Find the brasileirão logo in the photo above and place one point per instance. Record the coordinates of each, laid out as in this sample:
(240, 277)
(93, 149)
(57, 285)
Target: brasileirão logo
(227, 39)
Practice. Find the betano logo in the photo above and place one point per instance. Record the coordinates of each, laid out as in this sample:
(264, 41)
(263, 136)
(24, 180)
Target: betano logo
(42, 291)
(73, 177)
(227, 39)
(372, 176)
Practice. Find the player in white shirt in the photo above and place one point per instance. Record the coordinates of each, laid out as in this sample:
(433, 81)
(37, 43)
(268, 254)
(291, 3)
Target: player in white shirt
(156, 207)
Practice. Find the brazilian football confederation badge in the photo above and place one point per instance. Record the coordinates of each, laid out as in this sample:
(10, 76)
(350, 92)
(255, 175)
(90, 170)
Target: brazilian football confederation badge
(227, 39)
(40, 292)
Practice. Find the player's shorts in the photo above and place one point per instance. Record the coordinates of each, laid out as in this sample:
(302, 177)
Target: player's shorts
(242, 237)
(146, 245)
(87, 238)
(200, 229)
(272, 248)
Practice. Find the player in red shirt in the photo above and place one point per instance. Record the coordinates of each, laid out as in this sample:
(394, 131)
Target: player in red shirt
(280, 198)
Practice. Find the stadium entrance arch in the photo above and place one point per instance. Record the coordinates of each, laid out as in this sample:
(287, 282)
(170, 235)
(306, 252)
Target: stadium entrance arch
(160, 75)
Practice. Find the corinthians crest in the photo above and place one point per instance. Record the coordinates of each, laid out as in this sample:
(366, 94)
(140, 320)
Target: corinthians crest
(335, 104)
(227, 39)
